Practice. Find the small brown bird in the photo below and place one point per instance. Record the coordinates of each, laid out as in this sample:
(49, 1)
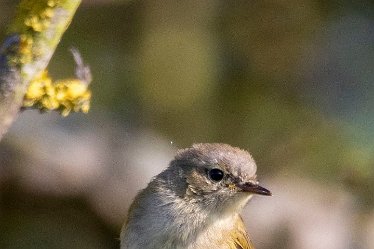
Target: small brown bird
(195, 202)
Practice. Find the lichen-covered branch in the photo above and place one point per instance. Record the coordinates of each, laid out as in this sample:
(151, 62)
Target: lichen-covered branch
(65, 96)
(32, 38)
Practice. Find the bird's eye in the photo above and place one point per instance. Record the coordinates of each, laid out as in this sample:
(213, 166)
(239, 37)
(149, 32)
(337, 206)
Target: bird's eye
(216, 174)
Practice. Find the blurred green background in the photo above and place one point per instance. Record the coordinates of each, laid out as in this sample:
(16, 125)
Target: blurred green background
(290, 81)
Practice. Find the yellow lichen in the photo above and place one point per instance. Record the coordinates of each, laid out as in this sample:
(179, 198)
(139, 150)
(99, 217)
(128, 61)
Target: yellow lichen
(36, 15)
(52, 3)
(64, 95)
(24, 54)
(47, 13)
(33, 18)
(38, 89)
(34, 23)
(73, 95)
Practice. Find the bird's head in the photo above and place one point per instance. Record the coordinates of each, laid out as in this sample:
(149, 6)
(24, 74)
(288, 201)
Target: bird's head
(215, 176)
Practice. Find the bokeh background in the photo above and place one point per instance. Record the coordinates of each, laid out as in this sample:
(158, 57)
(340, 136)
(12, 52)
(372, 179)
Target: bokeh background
(290, 81)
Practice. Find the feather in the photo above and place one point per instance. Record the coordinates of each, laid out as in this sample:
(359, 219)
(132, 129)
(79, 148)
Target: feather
(240, 237)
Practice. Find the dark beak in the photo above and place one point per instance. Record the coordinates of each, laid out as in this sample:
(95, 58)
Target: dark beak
(254, 188)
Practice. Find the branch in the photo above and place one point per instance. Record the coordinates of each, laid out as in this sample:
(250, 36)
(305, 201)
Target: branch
(64, 96)
(28, 48)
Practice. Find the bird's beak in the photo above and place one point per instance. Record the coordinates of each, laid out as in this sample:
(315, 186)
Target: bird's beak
(253, 188)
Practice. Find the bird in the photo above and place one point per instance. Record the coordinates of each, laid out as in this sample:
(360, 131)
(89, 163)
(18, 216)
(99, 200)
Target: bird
(195, 203)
